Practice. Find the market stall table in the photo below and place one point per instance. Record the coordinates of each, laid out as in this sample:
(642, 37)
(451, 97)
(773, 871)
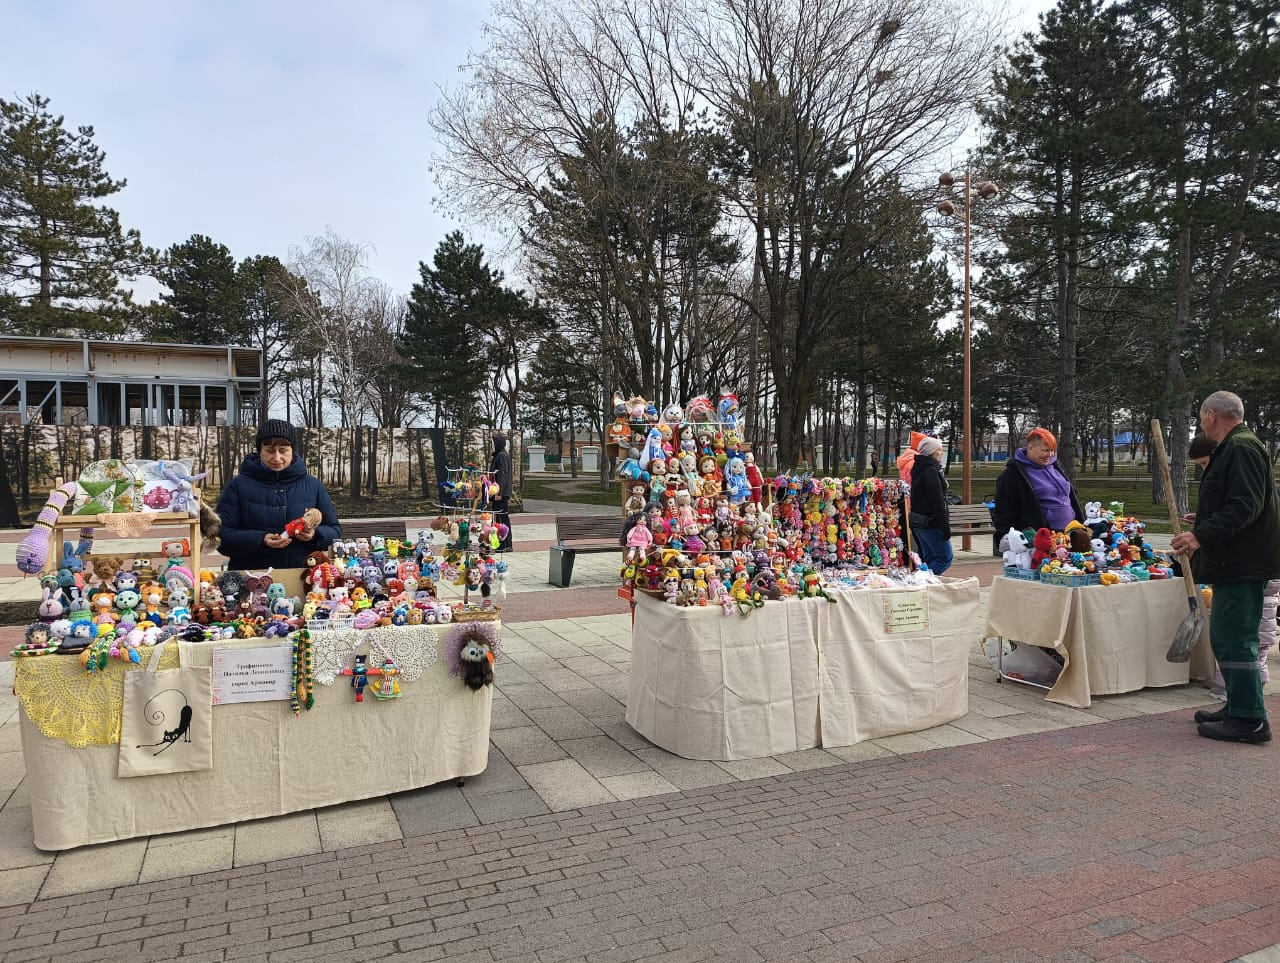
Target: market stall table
(266, 761)
(801, 673)
(1112, 638)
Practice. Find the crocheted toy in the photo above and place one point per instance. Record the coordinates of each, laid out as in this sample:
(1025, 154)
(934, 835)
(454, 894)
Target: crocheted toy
(309, 522)
(1043, 546)
(1016, 550)
(104, 569)
(185, 497)
(471, 648)
(33, 551)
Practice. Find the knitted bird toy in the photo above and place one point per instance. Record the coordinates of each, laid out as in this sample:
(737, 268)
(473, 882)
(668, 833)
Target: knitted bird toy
(470, 650)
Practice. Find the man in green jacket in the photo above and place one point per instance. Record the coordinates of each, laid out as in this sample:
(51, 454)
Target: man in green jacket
(1236, 544)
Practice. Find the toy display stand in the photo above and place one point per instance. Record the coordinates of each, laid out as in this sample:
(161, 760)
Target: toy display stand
(67, 527)
(471, 487)
(714, 427)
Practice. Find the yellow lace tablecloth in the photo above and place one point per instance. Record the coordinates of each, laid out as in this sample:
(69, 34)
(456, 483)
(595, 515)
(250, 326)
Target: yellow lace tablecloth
(77, 707)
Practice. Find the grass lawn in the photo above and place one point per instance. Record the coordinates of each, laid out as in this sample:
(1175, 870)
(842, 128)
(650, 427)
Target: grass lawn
(582, 490)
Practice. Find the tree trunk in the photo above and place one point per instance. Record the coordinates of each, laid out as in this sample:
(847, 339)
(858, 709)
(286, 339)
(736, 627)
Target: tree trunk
(372, 473)
(24, 466)
(422, 464)
(357, 442)
(573, 427)
(9, 517)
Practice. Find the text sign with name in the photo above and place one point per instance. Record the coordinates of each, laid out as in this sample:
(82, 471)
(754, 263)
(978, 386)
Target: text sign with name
(252, 675)
(905, 611)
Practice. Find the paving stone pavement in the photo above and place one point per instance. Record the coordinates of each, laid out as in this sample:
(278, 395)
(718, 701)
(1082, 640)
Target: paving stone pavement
(1110, 842)
(1022, 831)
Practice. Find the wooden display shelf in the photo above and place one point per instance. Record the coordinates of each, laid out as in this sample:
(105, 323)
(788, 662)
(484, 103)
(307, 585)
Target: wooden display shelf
(72, 523)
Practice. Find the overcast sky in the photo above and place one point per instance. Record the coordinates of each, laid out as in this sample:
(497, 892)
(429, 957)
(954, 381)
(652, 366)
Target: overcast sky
(258, 122)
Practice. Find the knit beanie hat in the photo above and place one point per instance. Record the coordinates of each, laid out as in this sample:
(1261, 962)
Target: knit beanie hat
(277, 428)
(928, 446)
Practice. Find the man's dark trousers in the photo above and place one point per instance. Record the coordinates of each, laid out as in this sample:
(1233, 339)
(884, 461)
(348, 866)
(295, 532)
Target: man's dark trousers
(1233, 634)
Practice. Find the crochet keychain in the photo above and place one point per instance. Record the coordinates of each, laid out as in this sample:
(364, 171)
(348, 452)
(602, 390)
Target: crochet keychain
(302, 694)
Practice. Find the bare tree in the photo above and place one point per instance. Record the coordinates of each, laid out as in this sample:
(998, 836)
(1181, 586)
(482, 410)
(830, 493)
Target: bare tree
(819, 104)
(826, 103)
(388, 391)
(335, 273)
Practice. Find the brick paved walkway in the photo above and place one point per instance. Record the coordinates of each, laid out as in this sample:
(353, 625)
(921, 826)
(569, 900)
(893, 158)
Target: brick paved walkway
(1085, 843)
(1130, 841)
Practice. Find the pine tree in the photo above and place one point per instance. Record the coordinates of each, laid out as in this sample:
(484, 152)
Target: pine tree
(62, 253)
(205, 301)
(447, 309)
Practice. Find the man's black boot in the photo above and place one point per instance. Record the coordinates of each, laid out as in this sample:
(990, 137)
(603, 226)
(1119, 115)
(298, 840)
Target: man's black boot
(1233, 729)
(1211, 715)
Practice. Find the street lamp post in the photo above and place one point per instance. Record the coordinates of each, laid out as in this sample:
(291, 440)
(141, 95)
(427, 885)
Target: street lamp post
(983, 190)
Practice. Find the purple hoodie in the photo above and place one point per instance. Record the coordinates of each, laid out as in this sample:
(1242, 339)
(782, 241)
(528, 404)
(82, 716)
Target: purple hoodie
(1051, 488)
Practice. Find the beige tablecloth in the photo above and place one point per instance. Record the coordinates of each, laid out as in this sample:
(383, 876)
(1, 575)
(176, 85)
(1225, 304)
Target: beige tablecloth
(1112, 638)
(266, 761)
(798, 674)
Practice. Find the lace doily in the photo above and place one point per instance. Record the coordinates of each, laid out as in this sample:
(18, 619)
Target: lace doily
(414, 649)
(80, 708)
(128, 524)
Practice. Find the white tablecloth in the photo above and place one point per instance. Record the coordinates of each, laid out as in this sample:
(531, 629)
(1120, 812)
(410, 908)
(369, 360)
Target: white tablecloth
(1113, 638)
(267, 762)
(797, 674)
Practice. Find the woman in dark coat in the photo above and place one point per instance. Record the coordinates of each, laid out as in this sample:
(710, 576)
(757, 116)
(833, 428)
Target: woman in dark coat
(930, 523)
(500, 470)
(272, 489)
(1032, 492)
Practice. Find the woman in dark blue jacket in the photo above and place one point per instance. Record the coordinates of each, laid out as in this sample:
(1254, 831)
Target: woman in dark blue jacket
(272, 489)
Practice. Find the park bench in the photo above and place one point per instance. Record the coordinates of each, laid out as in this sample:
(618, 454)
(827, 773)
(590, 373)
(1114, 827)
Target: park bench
(972, 520)
(387, 527)
(580, 533)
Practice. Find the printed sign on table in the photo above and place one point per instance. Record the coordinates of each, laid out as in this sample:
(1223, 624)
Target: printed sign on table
(905, 612)
(252, 675)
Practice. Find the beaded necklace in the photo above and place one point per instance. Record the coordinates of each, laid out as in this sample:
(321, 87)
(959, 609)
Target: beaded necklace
(303, 689)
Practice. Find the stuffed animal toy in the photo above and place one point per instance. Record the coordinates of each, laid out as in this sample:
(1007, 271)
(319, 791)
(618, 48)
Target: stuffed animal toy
(33, 551)
(104, 569)
(639, 540)
(309, 522)
(470, 651)
(1079, 538)
(1017, 552)
(728, 409)
(631, 467)
(1043, 547)
(1094, 520)
(638, 498)
(735, 477)
(637, 410)
(652, 448)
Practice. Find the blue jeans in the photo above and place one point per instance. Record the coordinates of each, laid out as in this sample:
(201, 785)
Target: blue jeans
(935, 551)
